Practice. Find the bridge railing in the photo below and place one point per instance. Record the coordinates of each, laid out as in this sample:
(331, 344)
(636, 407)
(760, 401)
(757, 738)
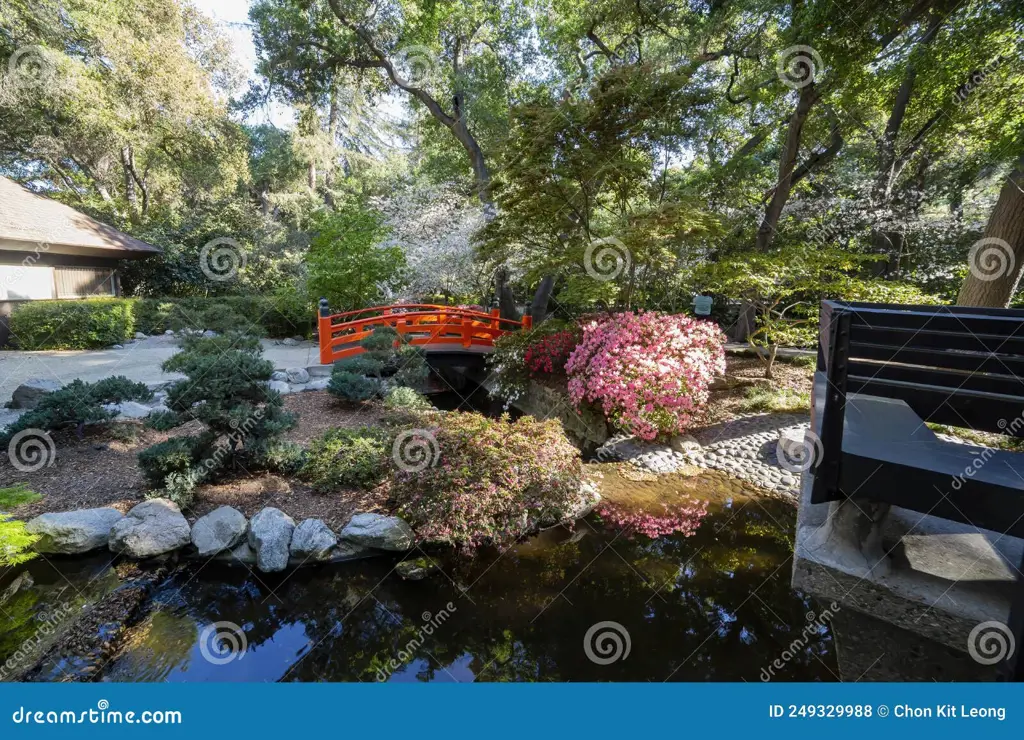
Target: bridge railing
(422, 324)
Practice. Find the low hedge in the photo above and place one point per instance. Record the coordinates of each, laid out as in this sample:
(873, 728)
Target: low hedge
(270, 315)
(81, 324)
(101, 322)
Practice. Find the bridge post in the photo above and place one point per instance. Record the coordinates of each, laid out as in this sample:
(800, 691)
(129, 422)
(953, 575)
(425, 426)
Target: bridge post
(324, 333)
(527, 320)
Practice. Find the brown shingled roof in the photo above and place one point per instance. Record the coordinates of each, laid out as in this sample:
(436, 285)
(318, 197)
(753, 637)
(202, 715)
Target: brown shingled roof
(27, 220)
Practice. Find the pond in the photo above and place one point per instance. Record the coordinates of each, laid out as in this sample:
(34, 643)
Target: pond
(587, 604)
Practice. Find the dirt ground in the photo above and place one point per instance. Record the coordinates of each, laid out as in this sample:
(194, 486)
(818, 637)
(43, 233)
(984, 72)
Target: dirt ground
(101, 470)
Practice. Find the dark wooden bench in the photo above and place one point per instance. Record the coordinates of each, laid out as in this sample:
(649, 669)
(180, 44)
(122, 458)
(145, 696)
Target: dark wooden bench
(885, 370)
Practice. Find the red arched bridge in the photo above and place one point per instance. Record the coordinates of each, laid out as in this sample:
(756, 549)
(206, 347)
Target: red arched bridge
(444, 329)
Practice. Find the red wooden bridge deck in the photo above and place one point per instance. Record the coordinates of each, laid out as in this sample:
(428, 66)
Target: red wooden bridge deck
(436, 328)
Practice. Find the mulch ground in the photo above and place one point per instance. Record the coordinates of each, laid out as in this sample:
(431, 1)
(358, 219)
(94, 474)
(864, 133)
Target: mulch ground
(101, 470)
(744, 372)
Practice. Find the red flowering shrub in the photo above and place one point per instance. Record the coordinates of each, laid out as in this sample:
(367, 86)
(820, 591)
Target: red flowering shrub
(491, 480)
(550, 353)
(649, 372)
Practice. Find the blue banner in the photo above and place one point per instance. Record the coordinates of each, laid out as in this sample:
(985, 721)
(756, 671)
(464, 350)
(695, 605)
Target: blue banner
(514, 711)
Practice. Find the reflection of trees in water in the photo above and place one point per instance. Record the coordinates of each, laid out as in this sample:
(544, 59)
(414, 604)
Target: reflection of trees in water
(687, 603)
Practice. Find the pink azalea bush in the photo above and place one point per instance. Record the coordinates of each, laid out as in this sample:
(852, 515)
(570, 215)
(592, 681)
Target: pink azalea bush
(493, 479)
(649, 372)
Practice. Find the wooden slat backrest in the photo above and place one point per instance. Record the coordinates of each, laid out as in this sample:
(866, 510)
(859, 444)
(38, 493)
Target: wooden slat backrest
(951, 365)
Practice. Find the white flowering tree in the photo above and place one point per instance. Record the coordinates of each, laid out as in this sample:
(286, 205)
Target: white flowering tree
(435, 224)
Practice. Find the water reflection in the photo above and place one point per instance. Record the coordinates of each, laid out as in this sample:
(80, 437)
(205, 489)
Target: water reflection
(716, 605)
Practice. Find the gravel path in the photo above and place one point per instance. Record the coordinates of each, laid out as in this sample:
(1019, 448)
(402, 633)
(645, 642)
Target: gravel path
(746, 447)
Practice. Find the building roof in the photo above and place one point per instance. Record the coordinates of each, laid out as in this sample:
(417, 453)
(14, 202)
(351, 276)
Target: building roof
(28, 220)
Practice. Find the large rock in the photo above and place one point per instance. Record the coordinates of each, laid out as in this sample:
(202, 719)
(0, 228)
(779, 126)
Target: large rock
(129, 409)
(219, 530)
(320, 384)
(270, 535)
(31, 392)
(297, 375)
(313, 540)
(379, 531)
(73, 532)
(280, 386)
(152, 528)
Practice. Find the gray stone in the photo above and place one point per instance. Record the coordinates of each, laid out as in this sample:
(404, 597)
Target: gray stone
(169, 332)
(117, 346)
(320, 384)
(415, 570)
(270, 535)
(347, 551)
(210, 333)
(313, 540)
(130, 409)
(289, 342)
(280, 386)
(22, 582)
(297, 375)
(140, 335)
(74, 532)
(280, 375)
(241, 554)
(319, 371)
(152, 528)
(379, 531)
(31, 392)
(221, 529)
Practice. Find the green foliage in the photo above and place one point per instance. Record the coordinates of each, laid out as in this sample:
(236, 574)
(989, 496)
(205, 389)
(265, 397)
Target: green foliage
(85, 324)
(15, 542)
(347, 458)
(348, 263)
(363, 364)
(486, 480)
(403, 398)
(162, 421)
(284, 314)
(226, 389)
(776, 400)
(78, 403)
(352, 387)
(507, 363)
(17, 495)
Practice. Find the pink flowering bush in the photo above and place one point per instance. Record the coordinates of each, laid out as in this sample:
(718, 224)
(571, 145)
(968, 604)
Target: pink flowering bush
(492, 480)
(549, 354)
(648, 372)
(674, 518)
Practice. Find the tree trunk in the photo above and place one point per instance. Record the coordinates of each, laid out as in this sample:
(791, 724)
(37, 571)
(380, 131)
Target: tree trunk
(129, 181)
(539, 307)
(787, 164)
(995, 262)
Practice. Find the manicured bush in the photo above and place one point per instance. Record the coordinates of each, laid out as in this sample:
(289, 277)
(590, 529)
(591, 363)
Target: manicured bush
(361, 365)
(648, 372)
(81, 324)
(77, 404)
(347, 458)
(404, 398)
(227, 390)
(283, 314)
(468, 480)
(352, 387)
(549, 354)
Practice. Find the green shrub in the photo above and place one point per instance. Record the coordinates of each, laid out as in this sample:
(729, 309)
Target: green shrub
(351, 387)
(81, 324)
(361, 365)
(412, 367)
(403, 398)
(162, 421)
(15, 542)
(484, 480)
(77, 404)
(507, 363)
(284, 314)
(347, 457)
(284, 458)
(227, 391)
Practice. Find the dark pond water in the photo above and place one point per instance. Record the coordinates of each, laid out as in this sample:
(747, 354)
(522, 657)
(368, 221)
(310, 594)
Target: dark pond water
(715, 605)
